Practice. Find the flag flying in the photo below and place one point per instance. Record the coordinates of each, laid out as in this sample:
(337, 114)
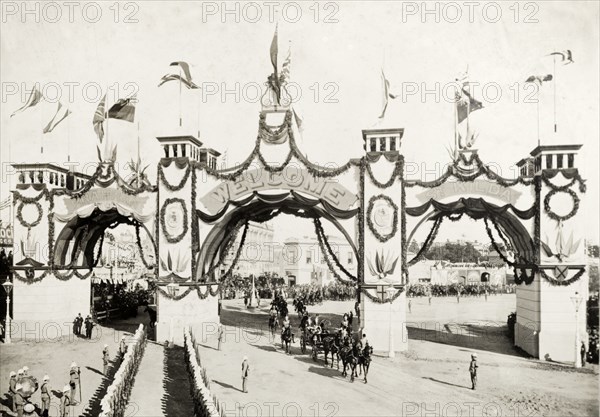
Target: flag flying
(175, 77)
(99, 117)
(566, 57)
(298, 119)
(34, 98)
(539, 79)
(386, 94)
(61, 114)
(287, 65)
(185, 80)
(274, 50)
(465, 104)
(123, 109)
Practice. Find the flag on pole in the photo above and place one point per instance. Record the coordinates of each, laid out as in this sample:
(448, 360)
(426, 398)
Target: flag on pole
(287, 66)
(386, 94)
(299, 120)
(274, 51)
(465, 105)
(566, 57)
(539, 79)
(99, 117)
(34, 98)
(123, 109)
(61, 114)
(185, 67)
(175, 77)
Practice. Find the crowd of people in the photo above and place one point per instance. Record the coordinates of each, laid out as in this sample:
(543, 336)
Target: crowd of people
(452, 290)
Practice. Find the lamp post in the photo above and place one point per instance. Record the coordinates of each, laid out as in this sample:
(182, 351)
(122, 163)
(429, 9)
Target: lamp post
(172, 289)
(8, 286)
(390, 293)
(576, 299)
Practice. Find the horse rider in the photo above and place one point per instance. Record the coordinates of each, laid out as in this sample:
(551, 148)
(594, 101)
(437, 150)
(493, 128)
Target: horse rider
(364, 341)
(285, 326)
(345, 321)
(273, 311)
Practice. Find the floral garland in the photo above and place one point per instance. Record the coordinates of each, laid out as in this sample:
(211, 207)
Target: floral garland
(524, 278)
(328, 261)
(428, 241)
(168, 237)
(403, 223)
(566, 282)
(99, 253)
(378, 235)
(173, 188)
(361, 221)
(576, 178)
(321, 232)
(140, 247)
(225, 251)
(555, 216)
(25, 223)
(194, 220)
(397, 173)
(378, 300)
(495, 245)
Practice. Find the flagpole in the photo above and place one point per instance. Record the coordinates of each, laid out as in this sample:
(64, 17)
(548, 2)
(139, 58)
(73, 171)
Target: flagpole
(455, 124)
(106, 147)
(180, 123)
(138, 154)
(538, 116)
(554, 77)
(68, 139)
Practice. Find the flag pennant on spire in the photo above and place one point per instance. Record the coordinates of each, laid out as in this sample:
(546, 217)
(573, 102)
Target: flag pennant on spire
(539, 79)
(466, 104)
(123, 109)
(185, 80)
(61, 114)
(386, 94)
(34, 98)
(287, 65)
(99, 117)
(566, 57)
(274, 51)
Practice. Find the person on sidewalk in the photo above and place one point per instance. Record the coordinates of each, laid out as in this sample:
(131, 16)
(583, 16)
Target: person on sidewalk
(105, 359)
(410, 305)
(245, 373)
(89, 325)
(583, 354)
(473, 370)
(45, 392)
(122, 348)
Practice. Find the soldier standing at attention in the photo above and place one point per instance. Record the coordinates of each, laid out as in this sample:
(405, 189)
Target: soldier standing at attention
(122, 347)
(19, 400)
(473, 370)
(74, 382)
(245, 373)
(45, 391)
(12, 388)
(105, 359)
(65, 401)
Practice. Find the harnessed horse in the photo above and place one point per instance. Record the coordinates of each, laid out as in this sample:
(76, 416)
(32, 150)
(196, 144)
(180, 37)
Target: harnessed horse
(364, 360)
(286, 338)
(348, 355)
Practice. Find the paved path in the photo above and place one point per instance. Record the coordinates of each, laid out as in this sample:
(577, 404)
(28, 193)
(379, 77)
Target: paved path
(161, 385)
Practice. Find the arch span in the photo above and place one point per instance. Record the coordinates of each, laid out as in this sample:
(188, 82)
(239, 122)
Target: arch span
(261, 211)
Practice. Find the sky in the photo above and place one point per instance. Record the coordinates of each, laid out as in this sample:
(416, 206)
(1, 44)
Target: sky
(338, 50)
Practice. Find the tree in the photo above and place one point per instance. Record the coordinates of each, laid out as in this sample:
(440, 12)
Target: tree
(455, 252)
(414, 247)
(593, 251)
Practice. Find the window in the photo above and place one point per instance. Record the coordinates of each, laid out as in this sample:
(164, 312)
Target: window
(548, 161)
(392, 144)
(183, 149)
(166, 148)
(559, 160)
(309, 257)
(382, 144)
(571, 160)
(349, 258)
(538, 163)
(174, 151)
(373, 145)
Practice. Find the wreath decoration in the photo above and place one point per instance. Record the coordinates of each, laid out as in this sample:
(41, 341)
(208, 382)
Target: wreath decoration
(565, 282)
(555, 216)
(378, 235)
(25, 223)
(168, 237)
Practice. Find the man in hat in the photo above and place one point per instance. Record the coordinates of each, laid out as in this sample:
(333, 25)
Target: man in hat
(19, 400)
(19, 375)
(78, 323)
(105, 359)
(65, 401)
(45, 392)
(12, 388)
(473, 370)
(245, 373)
(89, 324)
(25, 371)
(74, 374)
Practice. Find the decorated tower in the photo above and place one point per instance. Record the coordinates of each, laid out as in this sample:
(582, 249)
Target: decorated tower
(382, 295)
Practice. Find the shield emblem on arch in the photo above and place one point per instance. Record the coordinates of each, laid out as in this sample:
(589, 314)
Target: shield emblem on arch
(561, 272)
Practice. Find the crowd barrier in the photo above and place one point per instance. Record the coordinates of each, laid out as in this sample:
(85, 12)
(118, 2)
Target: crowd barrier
(117, 395)
(205, 404)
